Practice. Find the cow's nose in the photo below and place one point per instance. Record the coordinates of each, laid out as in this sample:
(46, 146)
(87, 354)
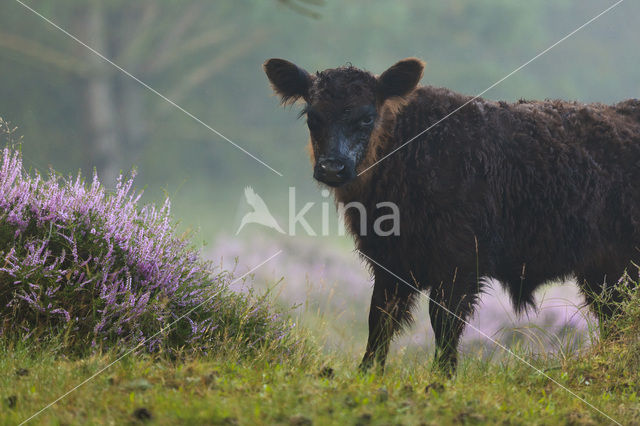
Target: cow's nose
(333, 171)
(331, 167)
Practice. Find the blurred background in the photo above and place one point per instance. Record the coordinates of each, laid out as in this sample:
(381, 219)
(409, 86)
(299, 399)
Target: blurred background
(77, 112)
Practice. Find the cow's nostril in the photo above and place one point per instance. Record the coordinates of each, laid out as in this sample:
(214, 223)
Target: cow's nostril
(332, 171)
(332, 166)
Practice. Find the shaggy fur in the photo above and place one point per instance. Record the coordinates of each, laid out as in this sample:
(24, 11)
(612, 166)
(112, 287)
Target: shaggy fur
(524, 193)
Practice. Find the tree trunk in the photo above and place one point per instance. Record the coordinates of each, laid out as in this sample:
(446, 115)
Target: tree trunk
(106, 150)
(133, 119)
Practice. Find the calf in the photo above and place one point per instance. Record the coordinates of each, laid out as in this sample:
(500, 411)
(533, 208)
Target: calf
(524, 193)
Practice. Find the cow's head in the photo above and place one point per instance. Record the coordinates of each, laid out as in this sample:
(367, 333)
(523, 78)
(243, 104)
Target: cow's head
(343, 109)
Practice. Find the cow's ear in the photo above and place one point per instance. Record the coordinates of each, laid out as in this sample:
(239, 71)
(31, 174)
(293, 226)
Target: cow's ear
(288, 80)
(400, 79)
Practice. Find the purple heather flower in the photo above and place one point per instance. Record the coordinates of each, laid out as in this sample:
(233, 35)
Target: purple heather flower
(81, 250)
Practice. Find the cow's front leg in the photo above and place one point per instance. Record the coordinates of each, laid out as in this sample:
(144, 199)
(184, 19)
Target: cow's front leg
(450, 306)
(390, 310)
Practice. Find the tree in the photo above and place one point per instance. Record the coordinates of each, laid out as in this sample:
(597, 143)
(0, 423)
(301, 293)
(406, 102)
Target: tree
(161, 43)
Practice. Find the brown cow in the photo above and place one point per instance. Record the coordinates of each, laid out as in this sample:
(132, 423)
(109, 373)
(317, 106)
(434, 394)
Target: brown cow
(524, 193)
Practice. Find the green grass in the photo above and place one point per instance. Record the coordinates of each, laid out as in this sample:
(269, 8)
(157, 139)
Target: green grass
(276, 384)
(234, 389)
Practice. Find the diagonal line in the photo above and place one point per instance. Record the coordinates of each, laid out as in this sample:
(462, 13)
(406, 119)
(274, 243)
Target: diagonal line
(494, 84)
(500, 345)
(145, 85)
(93, 376)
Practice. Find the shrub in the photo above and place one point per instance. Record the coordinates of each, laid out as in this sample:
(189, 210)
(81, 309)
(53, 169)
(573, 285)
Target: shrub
(99, 270)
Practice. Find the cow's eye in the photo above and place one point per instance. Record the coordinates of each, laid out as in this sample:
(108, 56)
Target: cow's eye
(366, 121)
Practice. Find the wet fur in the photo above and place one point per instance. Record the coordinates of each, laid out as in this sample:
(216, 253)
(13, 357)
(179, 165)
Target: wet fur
(525, 193)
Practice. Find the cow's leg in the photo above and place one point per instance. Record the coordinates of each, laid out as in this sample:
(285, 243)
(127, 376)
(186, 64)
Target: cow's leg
(390, 310)
(450, 305)
(599, 289)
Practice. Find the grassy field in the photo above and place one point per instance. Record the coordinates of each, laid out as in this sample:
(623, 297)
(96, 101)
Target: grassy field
(312, 387)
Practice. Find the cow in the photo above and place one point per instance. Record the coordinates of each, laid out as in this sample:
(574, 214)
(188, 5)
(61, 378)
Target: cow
(523, 193)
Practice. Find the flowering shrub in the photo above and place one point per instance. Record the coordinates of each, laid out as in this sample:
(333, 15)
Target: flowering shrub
(95, 267)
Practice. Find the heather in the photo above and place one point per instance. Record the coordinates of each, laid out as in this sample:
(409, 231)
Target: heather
(97, 270)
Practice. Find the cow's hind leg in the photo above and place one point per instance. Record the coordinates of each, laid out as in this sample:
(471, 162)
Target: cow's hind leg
(599, 287)
(390, 310)
(450, 306)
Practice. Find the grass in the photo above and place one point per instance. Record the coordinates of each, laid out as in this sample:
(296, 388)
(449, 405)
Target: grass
(231, 390)
(310, 386)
